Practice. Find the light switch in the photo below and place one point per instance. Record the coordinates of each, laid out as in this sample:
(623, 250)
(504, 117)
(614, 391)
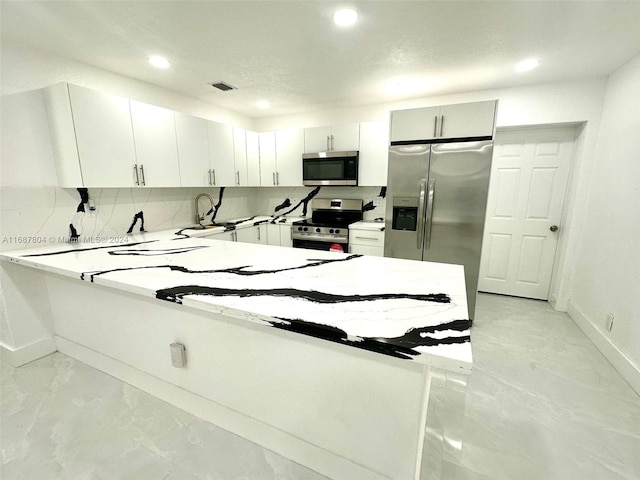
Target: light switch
(178, 355)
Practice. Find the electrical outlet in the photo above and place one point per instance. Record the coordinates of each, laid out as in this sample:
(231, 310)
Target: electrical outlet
(609, 324)
(92, 208)
(377, 201)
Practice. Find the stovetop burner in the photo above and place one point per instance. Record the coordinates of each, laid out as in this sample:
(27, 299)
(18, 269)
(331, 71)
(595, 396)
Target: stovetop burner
(330, 219)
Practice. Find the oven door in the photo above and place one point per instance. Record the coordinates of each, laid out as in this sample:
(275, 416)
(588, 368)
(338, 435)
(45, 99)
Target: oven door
(319, 245)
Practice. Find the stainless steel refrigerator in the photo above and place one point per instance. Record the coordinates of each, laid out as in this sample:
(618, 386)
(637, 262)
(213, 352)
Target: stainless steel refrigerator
(436, 205)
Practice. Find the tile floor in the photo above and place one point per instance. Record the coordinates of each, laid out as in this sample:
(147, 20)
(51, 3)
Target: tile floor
(542, 403)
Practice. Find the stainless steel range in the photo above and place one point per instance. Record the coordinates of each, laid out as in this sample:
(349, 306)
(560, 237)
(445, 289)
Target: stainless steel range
(328, 226)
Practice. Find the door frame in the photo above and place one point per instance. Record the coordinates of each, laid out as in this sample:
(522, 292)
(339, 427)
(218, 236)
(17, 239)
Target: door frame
(561, 276)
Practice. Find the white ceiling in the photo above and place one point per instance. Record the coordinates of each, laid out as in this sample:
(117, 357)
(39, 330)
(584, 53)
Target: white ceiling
(291, 54)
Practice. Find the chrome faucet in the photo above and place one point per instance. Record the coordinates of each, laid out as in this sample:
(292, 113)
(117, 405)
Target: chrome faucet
(200, 218)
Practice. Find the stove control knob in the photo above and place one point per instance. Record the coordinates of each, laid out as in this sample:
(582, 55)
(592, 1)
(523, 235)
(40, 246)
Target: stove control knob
(337, 231)
(317, 230)
(331, 231)
(299, 229)
(305, 229)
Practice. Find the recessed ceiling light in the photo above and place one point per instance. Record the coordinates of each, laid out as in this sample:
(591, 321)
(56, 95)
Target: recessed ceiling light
(345, 17)
(263, 104)
(527, 65)
(158, 61)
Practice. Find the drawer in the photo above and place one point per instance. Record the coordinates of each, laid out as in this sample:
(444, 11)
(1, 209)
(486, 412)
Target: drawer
(366, 250)
(372, 238)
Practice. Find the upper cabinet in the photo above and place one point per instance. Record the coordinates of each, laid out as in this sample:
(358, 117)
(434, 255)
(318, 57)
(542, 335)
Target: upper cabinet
(466, 120)
(332, 138)
(253, 159)
(289, 148)
(374, 154)
(240, 156)
(103, 134)
(221, 154)
(268, 167)
(193, 151)
(154, 134)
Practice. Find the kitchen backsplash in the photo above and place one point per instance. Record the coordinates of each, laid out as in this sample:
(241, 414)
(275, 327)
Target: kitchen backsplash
(40, 216)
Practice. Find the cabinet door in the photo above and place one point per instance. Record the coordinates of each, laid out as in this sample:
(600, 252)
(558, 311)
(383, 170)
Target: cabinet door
(374, 154)
(221, 154)
(193, 150)
(154, 133)
(226, 236)
(240, 155)
(345, 138)
(317, 139)
(104, 136)
(273, 234)
(367, 250)
(289, 148)
(467, 120)
(253, 159)
(285, 236)
(247, 235)
(414, 124)
(267, 143)
(262, 234)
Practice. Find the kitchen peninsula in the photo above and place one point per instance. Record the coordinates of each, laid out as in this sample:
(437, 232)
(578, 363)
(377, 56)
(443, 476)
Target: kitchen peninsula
(323, 357)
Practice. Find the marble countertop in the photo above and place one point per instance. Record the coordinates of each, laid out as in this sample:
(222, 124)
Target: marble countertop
(402, 308)
(212, 229)
(367, 225)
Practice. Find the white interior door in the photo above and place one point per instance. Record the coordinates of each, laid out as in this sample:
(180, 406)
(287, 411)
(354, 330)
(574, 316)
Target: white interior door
(529, 175)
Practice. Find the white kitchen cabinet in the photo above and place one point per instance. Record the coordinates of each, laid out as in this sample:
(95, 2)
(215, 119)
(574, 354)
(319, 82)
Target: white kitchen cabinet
(255, 234)
(104, 138)
(253, 159)
(464, 120)
(289, 149)
(332, 138)
(240, 156)
(268, 167)
(279, 234)
(366, 241)
(193, 151)
(221, 154)
(154, 133)
(374, 154)
(285, 236)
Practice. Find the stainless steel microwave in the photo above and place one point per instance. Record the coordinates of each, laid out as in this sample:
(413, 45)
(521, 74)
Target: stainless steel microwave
(330, 168)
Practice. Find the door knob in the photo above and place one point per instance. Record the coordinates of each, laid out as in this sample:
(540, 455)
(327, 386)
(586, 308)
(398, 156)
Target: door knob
(553, 228)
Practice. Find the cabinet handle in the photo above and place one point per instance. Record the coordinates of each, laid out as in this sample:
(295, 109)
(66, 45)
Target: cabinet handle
(209, 176)
(277, 178)
(213, 175)
(144, 183)
(441, 124)
(435, 126)
(135, 169)
(366, 238)
(328, 147)
(274, 177)
(238, 177)
(331, 142)
(258, 233)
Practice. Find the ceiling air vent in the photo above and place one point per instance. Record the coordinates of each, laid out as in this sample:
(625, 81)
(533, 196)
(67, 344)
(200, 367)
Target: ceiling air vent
(225, 87)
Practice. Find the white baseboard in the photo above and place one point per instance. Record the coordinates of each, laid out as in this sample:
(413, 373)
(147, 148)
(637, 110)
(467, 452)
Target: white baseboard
(322, 461)
(622, 363)
(16, 357)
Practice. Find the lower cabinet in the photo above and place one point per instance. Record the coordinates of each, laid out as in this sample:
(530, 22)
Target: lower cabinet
(255, 234)
(279, 235)
(366, 242)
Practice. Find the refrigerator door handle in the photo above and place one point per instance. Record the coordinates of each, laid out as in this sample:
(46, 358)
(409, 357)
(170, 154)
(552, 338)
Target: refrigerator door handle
(420, 225)
(432, 184)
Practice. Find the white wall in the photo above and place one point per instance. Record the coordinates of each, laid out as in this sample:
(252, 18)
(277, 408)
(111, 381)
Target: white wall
(607, 263)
